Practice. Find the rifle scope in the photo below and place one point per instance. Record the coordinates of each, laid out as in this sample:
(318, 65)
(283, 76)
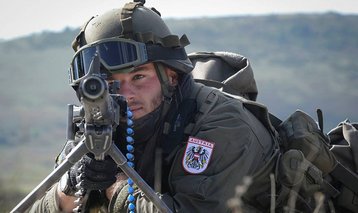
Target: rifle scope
(93, 87)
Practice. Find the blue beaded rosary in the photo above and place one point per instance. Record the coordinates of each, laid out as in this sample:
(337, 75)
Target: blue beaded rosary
(130, 158)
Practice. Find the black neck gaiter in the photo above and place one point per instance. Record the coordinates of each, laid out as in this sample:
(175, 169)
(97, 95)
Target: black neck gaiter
(145, 136)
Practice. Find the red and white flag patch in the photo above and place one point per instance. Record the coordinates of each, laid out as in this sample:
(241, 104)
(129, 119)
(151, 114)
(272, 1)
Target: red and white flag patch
(197, 155)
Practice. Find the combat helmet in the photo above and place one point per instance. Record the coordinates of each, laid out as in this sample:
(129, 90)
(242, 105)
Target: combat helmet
(128, 37)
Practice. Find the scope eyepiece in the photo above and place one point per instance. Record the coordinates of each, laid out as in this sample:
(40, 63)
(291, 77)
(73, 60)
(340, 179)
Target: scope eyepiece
(93, 87)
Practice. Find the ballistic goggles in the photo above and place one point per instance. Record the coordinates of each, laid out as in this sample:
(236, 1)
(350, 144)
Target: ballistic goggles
(117, 54)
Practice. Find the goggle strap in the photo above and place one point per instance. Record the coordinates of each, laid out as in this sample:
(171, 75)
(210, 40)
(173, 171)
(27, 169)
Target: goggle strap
(156, 52)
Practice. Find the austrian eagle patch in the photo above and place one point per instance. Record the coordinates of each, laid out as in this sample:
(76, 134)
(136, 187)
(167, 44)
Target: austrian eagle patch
(197, 155)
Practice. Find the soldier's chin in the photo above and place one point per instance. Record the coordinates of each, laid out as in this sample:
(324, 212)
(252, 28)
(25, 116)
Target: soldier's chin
(138, 113)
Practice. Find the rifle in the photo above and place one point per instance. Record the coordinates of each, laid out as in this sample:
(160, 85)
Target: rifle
(101, 112)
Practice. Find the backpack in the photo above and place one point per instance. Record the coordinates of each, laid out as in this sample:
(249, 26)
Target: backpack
(310, 170)
(344, 141)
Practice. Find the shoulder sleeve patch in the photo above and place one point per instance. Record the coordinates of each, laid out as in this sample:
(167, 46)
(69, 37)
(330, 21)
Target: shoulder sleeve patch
(197, 155)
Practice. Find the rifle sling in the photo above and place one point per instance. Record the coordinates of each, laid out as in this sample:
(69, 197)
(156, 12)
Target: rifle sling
(347, 177)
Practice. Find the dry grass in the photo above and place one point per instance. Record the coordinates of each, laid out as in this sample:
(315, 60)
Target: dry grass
(236, 204)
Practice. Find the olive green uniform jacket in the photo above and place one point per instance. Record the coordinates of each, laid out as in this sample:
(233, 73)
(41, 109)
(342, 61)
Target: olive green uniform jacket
(226, 144)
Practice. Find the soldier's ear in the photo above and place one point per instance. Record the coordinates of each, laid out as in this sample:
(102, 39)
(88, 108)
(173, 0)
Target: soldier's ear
(172, 77)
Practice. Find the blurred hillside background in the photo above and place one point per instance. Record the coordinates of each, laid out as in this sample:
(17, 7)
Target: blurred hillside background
(300, 62)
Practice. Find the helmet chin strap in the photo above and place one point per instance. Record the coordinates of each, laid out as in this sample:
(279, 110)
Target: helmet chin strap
(167, 89)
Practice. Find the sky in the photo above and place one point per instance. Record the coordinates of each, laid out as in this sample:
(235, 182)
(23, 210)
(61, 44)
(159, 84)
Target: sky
(21, 17)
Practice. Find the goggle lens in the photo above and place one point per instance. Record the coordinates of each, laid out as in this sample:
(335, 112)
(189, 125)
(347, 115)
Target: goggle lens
(117, 53)
(114, 54)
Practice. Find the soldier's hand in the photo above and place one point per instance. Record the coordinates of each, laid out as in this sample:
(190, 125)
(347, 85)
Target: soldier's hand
(92, 174)
(120, 182)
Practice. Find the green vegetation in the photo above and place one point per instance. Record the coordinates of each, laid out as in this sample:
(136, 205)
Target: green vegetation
(300, 61)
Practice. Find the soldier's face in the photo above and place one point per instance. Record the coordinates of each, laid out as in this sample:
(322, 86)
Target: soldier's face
(142, 88)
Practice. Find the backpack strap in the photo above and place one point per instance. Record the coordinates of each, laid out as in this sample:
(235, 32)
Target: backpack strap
(176, 124)
(347, 177)
(208, 97)
(174, 133)
(261, 113)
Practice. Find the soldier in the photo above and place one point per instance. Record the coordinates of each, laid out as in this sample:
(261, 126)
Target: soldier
(209, 141)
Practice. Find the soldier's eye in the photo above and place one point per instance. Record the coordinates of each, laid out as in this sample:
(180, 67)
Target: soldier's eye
(137, 77)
